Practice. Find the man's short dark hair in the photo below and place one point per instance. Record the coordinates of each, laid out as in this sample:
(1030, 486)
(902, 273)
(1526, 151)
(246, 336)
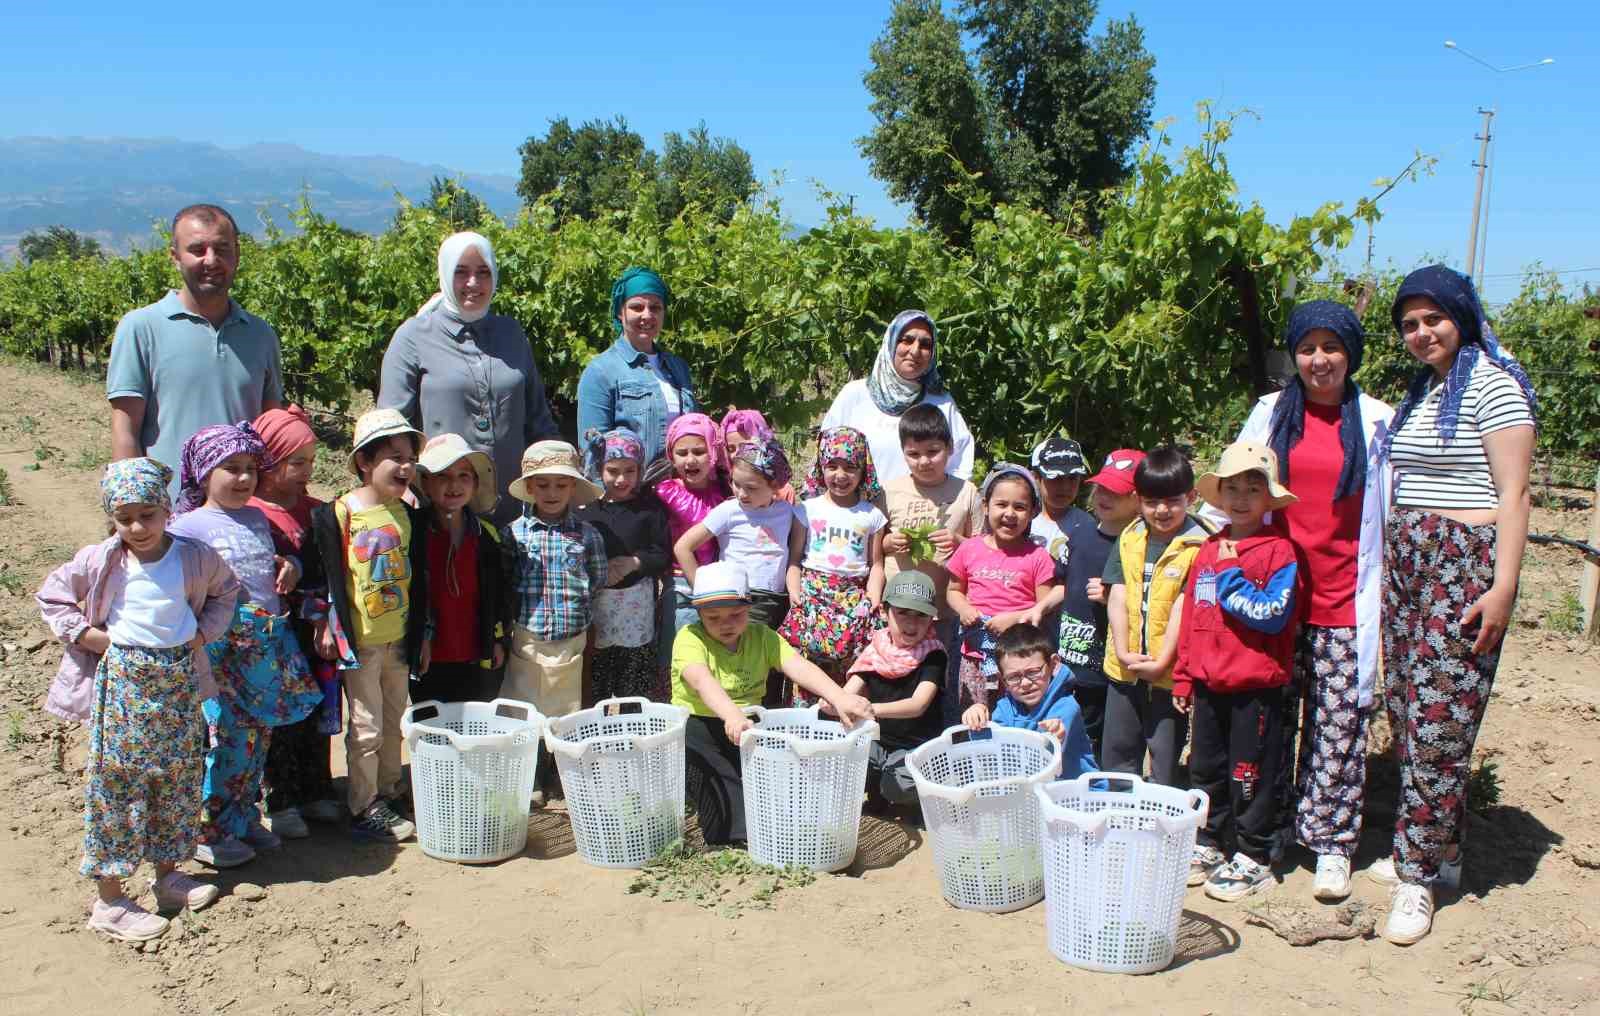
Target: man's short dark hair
(923, 422)
(208, 214)
(1023, 639)
(1165, 472)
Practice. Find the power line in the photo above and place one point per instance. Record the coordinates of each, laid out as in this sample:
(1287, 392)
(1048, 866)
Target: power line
(1544, 271)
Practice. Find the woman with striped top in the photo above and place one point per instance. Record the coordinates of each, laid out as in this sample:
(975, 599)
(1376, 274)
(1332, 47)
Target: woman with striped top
(1459, 454)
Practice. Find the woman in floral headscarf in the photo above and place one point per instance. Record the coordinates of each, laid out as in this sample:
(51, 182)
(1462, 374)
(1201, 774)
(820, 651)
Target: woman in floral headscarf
(632, 521)
(836, 588)
(1459, 453)
(905, 374)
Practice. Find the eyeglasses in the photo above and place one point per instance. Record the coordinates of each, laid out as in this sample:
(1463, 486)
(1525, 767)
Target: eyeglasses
(919, 343)
(1035, 676)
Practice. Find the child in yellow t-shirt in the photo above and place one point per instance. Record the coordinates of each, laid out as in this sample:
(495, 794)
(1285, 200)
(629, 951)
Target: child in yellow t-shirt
(371, 549)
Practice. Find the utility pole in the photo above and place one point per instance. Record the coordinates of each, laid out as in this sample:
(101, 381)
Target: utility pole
(1477, 197)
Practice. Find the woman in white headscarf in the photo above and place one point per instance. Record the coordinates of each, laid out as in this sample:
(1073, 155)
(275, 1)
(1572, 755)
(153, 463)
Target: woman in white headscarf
(905, 374)
(456, 368)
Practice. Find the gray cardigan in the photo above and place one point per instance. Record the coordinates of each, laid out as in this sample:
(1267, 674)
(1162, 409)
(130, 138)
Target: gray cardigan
(476, 380)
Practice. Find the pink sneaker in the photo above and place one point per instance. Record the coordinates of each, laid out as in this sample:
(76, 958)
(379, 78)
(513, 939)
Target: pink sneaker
(126, 921)
(175, 891)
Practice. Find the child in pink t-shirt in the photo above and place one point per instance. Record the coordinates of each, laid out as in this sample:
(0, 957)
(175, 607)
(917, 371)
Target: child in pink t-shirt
(998, 579)
(699, 482)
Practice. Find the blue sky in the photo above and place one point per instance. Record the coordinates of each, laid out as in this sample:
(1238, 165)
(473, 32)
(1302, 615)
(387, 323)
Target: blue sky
(1346, 93)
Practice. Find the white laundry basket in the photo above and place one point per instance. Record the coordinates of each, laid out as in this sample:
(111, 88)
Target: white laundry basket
(1116, 863)
(621, 766)
(977, 799)
(804, 780)
(472, 774)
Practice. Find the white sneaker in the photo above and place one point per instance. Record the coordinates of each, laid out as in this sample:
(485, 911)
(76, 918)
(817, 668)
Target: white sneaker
(1410, 914)
(175, 891)
(1237, 879)
(228, 853)
(1203, 863)
(1332, 881)
(126, 921)
(1382, 872)
(289, 824)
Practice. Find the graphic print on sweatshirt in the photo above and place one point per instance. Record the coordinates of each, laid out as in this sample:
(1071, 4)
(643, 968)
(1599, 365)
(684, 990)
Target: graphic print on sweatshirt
(382, 567)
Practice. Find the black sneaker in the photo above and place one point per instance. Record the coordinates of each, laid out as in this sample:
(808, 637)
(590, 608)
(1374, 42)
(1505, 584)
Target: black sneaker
(380, 824)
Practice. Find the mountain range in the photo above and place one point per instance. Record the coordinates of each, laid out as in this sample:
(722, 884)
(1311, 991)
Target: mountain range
(116, 189)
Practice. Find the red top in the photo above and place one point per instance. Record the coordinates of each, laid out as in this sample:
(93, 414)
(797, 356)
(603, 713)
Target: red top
(1327, 531)
(453, 592)
(289, 525)
(1217, 647)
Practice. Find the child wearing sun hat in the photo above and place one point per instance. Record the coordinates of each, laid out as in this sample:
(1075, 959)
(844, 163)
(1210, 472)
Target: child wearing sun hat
(1241, 610)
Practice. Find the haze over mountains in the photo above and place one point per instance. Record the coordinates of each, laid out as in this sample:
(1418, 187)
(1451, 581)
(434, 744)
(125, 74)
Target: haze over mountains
(115, 189)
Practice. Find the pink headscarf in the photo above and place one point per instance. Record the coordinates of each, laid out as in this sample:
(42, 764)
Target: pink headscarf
(284, 431)
(747, 423)
(701, 426)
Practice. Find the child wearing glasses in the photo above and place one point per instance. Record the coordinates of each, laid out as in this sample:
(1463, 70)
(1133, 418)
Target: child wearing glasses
(1037, 695)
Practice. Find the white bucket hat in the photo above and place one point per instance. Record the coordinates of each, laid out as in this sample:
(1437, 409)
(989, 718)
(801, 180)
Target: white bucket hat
(375, 425)
(445, 450)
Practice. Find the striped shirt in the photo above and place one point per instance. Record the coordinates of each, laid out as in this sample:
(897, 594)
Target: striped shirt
(1432, 473)
(558, 568)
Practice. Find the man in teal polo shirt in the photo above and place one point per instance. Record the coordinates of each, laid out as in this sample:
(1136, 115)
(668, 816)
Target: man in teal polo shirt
(194, 357)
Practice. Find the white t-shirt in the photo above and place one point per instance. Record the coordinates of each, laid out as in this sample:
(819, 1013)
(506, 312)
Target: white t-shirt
(838, 539)
(151, 610)
(756, 539)
(1433, 473)
(668, 392)
(853, 407)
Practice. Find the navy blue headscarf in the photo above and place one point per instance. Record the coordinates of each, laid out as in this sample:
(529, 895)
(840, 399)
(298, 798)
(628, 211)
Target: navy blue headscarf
(1455, 296)
(1288, 422)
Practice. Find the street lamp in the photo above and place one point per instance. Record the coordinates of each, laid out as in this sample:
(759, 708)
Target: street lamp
(1483, 151)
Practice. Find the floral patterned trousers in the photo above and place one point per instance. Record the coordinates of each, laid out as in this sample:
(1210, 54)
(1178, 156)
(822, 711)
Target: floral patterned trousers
(1332, 777)
(1436, 687)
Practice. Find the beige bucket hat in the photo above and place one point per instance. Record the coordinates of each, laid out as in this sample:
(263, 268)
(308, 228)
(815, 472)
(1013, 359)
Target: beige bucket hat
(554, 458)
(1245, 457)
(375, 425)
(445, 450)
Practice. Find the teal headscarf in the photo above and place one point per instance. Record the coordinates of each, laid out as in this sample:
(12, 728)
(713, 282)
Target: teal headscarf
(634, 281)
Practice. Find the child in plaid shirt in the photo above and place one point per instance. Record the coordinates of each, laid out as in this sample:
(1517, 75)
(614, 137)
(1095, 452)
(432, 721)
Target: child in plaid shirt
(559, 563)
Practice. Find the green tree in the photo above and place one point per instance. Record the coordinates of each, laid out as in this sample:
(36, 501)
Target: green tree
(463, 209)
(57, 242)
(603, 166)
(714, 173)
(1032, 109)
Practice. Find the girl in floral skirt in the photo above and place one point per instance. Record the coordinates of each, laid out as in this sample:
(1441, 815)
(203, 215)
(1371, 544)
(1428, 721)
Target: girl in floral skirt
(837, 586)
(135, 612)
(263, 679)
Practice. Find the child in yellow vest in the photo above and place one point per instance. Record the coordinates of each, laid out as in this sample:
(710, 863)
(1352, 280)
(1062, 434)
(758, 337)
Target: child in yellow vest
(1144, 580)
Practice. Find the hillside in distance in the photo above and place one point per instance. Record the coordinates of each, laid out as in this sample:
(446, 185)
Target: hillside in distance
(115, 189)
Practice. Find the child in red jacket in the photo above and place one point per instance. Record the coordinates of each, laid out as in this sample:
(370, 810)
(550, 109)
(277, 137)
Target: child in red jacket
(1235, 654)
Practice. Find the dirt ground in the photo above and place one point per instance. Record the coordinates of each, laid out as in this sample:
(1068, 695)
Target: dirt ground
(348, 928)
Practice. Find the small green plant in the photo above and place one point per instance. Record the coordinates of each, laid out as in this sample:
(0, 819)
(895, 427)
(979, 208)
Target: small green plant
(1495, 988)
(1483, 786)
(27, 424)
(12, 582)
(43, 452)
(7, 495)
(1566, 616)
(91, 458)
(919, 542)
(726, 881)
(16, 736)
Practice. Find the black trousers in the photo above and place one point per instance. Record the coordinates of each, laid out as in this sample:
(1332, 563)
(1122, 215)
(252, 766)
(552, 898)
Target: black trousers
(1091, 701)
(770, 609)
(1139, 718)
(714, 781)
(457, 682)
(1235, 757)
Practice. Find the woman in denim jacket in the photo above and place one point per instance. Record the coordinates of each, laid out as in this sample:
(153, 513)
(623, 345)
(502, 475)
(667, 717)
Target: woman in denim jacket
(635, 383)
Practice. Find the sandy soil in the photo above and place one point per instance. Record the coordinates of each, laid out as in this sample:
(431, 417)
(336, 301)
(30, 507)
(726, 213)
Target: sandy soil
(346, 928)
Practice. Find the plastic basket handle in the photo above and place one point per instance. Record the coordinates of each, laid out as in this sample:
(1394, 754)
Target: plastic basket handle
(626, 705)
(961, 735)
(964, 796)
(805, 749)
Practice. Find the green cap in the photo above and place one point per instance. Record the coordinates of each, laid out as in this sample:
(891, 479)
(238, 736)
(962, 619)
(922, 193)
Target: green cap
(911, 590)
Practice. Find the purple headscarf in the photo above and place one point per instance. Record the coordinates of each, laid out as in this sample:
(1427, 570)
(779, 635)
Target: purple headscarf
(766, 456)
(206, 450)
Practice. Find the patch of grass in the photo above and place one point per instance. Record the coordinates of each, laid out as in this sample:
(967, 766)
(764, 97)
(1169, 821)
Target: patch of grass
(1496, 989)
(1566, 616)
(16, 734)
(12, 582)
(7, 495)
(92, 459)
(1483, 785)
(727, 881)
(27, 424)
(43, 452)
